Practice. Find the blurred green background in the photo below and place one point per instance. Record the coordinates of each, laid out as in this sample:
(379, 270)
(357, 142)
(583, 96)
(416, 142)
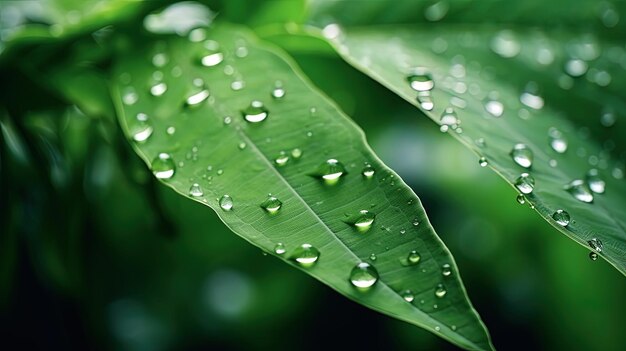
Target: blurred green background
(96, 255)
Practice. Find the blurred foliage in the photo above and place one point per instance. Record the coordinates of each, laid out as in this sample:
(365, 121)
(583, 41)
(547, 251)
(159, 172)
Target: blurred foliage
(95, 255)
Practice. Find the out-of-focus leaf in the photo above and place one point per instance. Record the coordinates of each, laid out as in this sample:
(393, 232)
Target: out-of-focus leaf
(229, 116)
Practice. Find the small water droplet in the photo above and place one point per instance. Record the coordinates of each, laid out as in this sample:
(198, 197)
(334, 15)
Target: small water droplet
(196, 98)
(226, 203)
(220, 171)
(163, 166)
(197, 35)
(607, 118)
(296, 153)
(368, 171)
(440, 291)
(557, 140)
(271, 204)
(281, 159)
(195, 190)
(437, 328)
(306, 255)
(576, 67)
(593, 256)
(362, 221)
(425, 99)
(373, 257)
(363, 275)
(596, 244)
(446, 270)
(212, 59)
(129, 97)
(416, 222)
(480, 142)
(170, 130)
(278, 92)
(522, 155)
(436, 11)
(142, 129)
(280, 249)
(482, 161)
(494, 107)
(158, 89)
(525, 183)
(579, 190)
(255, 113)
(414, 257)
(408, 296)
(160, 59)
(227, 120)
(505, 44)
(561, 217)
(595, 183)
(421, 79)
(242, 145)
(330, 171)
(449, 118)
(531, 98)
(521, 199)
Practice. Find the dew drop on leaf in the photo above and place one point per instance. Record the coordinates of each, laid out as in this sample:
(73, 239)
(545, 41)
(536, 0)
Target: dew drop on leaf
(561, 217)
(158, 89)
(368, 171)
(195, 190)
(421, 79)
(330, 171)
(163, 166)
(408, 296)
(595, 183)
(425, 99)
(558, 142)
(272, 204)
(596, 244)
(281, 159)
(578, 189)
(226, 203)
(494, 107)
(129, 96)
(576, 67)
(505, 44)
(482, 161)
(255, 113)
(362, 220)
(142, 129)
(521, 199)
(306, 255)
(413, 258)
(363, 275)
(522, 155)
(593, 256)
(525, 183)
(449, 118)
(440, 291)
(446, 270)
(196, 98)
(279, 249)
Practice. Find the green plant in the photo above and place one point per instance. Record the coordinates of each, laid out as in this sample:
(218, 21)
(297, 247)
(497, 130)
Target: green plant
(228, 120)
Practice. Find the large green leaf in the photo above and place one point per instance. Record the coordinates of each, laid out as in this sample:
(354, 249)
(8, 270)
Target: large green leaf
(214, 146)
(559, 92)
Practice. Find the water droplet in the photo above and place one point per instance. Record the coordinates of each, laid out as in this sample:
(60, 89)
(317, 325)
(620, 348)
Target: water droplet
(449, 118)
(561, 217)
(226, 203)
(362, 220)
(160, 59)
(525, 183)
(129, 97)
(440, 291)
(196, 98)
(281, 159)
(494, 107)
(158, 89)
(363, 275)
(227, 120)
(255, 113)
(296, 153)
(331, 31)
(279, 249)
(607, 118)
(576, 67)
(416, 222)
(521, 199)
(579, 190)
(330, 171)
(163, 166)
(446, 270)
(413, 258)
(271, 204)
(436, 11)
(368, 171)
(278, 92)
(195, 190)
(306, 255)
(421, 79)
(595, 183)
(522, 155)
(242, 145)
(408, 296)
(142, 130)
(480, 142)
(170, 130)
(483, 161)
(531, 98)
(557, 141)
(505, 44)
(197, 35)
(425, 99)
(373, 257)
(593, 256)
(596, 244)
(237, 84)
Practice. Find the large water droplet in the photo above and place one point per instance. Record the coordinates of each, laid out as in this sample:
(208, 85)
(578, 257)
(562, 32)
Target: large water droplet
(440, 291)
(579, 190)
(522, 155)
(226, 203)
(408, 296)
(255, 113)
(280, 249)
(195, 190)
(368, 171)
(363, 275)
(421, 79)
(271, 204)
(330, 171)
(446, 270)
(413, 258)
(163, 166)
(596, 244)
(557, 140)
(561, 217)
(362, 221)
(595, 183)
(142, 129)
(306, 255)
(525, 183)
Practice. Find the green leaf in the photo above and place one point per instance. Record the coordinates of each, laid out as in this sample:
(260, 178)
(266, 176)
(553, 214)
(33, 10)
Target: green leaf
(212, 145)
(542, 88)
